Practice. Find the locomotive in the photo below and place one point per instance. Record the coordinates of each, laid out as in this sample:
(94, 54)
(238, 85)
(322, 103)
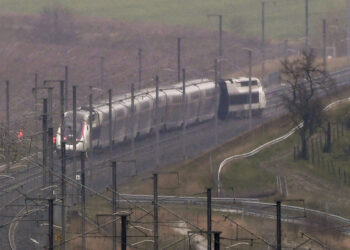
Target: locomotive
(201, 101)
(234, 97)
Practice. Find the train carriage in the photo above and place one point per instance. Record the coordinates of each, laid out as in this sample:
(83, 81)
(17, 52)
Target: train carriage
(174, 112)
(120, 118)
(162, 108)
(208, 105)
(193, 97)
(145, 114)
(131, 122)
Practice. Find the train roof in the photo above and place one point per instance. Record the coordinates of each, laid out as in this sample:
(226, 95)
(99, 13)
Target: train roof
(244, 81)
(151, 91)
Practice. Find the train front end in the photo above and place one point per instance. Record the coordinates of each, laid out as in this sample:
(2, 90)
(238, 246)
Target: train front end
(235, 99)
(82, 135)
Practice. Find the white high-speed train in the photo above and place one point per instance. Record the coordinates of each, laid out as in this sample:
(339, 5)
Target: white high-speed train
(202, 101)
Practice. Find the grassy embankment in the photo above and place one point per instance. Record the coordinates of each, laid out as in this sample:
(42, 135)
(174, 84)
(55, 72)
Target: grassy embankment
(284, 19)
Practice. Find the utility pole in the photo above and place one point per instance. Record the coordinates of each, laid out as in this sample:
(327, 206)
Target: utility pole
(155, 204)
(62, 109)
(123, 234)
(82, 178)
(133, 120)
(102, 72)
(114, 203)
(324, 29)
(7, 142)
(50, 148)
(348, 29)
(220, 37)
(216, 100)
(263, 41)
(279, 229)
(286, 50)
(90, 124)
(250, 87)
(36, 109)
(209, 218)
(217, 240)
(184, 113)
(74, 189)
(44, 132)
(157, 122)
(220, 45)
(51, 224)
(220, 41)
(140, 67)
(110, 119)
(179, 59)
(66, 80)
(50, 102)
(307, 25)
(63, 193)
(75, 130)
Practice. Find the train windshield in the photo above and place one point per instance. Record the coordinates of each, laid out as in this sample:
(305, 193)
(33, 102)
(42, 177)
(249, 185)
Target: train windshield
(68, 128)
(239, 99)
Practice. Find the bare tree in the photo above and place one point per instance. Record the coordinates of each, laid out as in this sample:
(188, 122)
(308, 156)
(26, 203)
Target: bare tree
(306, 83)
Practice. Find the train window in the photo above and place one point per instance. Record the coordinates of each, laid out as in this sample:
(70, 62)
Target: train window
(246, 83)
(243, 99)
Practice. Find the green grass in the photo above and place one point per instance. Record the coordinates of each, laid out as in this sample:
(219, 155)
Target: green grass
(243, 175)
(247, 174)
(284, 19)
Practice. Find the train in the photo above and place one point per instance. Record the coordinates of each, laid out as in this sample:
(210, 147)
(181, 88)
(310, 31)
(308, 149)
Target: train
(202, 101)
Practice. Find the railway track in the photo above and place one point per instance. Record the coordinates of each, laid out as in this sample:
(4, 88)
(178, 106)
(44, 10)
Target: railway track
(243, 205)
